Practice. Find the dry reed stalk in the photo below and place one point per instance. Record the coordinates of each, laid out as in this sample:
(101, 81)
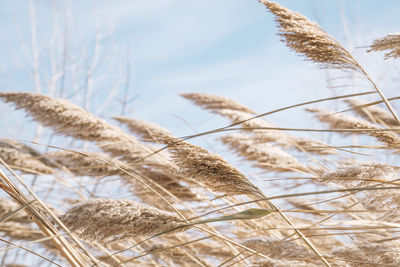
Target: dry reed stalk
(110, 220)
(211, 170)
(309, 39)
(343, 121)
(265, 155)
(7, 206)
(378, 114)
(368, 254)
(216, 102)
(41, 215)
(390, 43)
(23, 158)
(277, 249)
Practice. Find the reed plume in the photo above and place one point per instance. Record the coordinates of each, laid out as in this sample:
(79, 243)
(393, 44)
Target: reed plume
(66, 118)
(278, 249)
(211, 170)
(370, 175)
(197, 164)
(359, 255)
(265, 155)
(108, 219)
(390, 43)
(63, 116)
(89, 164)
(19, 157)
(279, 137)
(215, 102)
(150, 132)
(343, 121)
(309, 39)
(97, 164)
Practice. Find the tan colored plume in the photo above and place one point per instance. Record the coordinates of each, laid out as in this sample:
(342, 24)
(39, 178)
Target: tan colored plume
(389, 43)
(265, 155)
(278, 249)
(216, 102)
(109, 219)
(197, 164)
(344, 121)
(308, 38)
(18, 156)
(281, 138)
(150, 132)
(69, 119)
(211, 170)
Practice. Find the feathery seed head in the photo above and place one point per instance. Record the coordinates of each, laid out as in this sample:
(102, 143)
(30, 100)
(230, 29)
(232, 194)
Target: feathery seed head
(389, 43)
(216, 102)
(309, 39)
(108, 219)
(210, 169)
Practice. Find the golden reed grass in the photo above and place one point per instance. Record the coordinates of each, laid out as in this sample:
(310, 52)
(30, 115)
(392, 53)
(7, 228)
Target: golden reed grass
(354, 216)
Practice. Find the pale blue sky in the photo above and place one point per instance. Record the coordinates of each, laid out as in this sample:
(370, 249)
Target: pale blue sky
(225, 47)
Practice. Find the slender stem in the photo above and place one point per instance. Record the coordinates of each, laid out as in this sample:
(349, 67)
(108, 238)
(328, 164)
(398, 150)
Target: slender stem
(380, 93)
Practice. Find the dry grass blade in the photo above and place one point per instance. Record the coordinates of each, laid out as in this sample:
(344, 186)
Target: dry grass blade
(117, 219)
(390, 43)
